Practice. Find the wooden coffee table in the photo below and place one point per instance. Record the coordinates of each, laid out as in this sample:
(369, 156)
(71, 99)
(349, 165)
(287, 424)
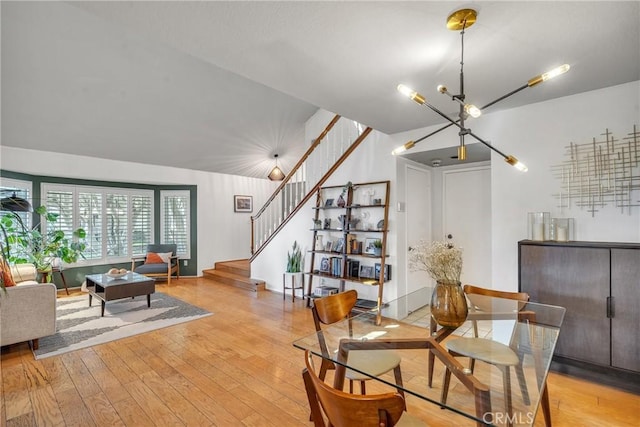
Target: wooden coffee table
(131, 285)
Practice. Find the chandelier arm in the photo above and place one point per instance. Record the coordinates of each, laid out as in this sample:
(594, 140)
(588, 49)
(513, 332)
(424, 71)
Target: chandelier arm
(486, 143)
(513, 92)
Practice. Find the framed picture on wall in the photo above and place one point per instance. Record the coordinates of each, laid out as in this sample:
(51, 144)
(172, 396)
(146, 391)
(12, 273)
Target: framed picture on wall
(242, 203)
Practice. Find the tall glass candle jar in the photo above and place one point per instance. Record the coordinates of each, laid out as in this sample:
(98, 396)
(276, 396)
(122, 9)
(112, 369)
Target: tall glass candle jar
(562, 229)
(539, 225)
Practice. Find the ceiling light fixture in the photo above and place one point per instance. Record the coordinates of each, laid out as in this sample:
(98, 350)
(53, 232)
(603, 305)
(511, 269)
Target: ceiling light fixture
(15, 204)
(460, 21)
(276, 173)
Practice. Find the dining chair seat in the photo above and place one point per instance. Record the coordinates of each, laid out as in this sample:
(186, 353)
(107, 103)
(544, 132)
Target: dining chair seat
(375, 362)
(485, 350)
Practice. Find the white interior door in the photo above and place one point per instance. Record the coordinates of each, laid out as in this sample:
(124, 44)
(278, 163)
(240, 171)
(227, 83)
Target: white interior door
(467, 219)
(418, 220)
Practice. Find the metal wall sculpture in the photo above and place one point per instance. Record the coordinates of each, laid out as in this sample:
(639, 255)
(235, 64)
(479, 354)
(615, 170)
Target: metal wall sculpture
(600, 173)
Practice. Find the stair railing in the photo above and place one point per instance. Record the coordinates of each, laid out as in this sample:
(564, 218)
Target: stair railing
(327, 152)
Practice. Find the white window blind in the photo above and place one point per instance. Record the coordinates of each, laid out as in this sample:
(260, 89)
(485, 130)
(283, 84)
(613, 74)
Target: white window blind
(22, 189)
(90, 219)
(141, 223)
(175, 220)
(118, 221)
(117, 225)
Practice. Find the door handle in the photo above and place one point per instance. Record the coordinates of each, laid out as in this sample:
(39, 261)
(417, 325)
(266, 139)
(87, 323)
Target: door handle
(610, 309)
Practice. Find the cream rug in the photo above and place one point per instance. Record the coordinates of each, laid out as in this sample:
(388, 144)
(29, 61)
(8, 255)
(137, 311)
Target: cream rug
(80, 326)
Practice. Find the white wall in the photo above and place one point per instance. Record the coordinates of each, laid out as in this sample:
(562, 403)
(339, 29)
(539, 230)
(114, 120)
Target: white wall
(222, 234)
(537, 134)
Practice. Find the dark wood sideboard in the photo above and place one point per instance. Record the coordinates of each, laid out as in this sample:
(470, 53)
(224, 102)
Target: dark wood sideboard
(599, 285)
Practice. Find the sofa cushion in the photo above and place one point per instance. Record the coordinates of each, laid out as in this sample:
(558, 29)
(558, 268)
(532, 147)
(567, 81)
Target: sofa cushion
(151, 268)
(153, 258)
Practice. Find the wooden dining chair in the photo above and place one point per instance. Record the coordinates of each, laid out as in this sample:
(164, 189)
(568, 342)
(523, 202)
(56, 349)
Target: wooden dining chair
(334, 308)
(346, 409)
(492, 352)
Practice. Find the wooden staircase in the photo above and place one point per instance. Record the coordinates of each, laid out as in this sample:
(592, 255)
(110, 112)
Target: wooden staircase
(234, 273)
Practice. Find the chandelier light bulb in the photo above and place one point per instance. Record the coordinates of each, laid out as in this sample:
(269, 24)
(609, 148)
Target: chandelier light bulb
(403, 148)
(549, 75)
(516, 163)
(555, 72)
(411, 94)
(472, 110)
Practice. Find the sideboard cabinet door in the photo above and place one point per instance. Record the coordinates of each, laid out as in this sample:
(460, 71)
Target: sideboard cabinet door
(578, 279)
(625, 322)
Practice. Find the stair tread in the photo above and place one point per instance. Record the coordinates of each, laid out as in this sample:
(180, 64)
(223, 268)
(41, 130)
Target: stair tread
(229, 275)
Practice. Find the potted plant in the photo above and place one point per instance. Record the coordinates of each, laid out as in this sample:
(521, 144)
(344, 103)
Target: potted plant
(30, 245)
(377, 247)
(443, 262)
(294, 259)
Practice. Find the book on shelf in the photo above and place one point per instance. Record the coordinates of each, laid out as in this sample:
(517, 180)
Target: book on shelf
(387, 271)
(323, 291)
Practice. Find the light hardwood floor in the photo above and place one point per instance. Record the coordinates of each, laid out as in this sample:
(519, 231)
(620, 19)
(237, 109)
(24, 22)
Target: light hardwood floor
(237, 367)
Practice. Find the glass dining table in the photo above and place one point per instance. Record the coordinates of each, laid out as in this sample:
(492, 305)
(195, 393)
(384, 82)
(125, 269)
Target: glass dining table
(527, 330)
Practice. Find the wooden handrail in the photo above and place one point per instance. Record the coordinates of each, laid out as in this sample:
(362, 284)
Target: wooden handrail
(312, 192)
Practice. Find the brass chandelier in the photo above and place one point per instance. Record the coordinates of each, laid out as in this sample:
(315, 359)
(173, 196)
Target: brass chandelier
(460, 21)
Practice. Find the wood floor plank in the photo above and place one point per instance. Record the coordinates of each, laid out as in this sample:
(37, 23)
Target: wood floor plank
(46, 410)
(237, 367)
(102, 412)
(73, 408)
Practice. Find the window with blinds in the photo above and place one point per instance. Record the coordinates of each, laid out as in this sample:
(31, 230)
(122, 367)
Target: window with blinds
(175, 220)
(22, 189)
(118, 221)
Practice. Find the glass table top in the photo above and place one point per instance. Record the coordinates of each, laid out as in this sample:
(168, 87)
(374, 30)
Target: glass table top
(516, 333)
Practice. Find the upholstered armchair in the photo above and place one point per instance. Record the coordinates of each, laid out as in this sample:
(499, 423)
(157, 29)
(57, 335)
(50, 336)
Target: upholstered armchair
(27, 310)
(160, 261)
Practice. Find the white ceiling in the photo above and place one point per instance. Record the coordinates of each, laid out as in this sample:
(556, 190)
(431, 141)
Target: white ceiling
(222, 86)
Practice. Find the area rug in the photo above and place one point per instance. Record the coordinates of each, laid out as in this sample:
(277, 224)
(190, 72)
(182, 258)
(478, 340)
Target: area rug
(80, 326)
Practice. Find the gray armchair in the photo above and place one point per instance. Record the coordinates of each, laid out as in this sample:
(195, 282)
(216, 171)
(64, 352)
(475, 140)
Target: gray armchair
(166, 269)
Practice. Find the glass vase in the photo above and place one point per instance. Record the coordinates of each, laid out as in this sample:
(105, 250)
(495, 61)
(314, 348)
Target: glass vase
(448, 304)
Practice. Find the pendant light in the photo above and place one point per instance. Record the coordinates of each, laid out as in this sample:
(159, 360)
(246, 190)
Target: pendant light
(460, 21)
(15, 204)
(276, 173)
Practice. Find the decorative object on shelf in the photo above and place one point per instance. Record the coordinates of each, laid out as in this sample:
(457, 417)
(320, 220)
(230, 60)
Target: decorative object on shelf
(377, 247)
(317, 224)
(387, 271)
(327, 224)
(380, 224)
(318, 244)
(366, 194)
(342, 221)
(369, 247)
(276, 173)
(242, 203)
(377, 202)
(459, 21)
(539, 225)
(328, 203)
(600, 173)
(443, 262)
(562, 229)
(353, 223)
(341, 202)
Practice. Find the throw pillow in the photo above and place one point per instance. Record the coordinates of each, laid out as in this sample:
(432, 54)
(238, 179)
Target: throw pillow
(5, 272)
(166, 256)
(153, 258)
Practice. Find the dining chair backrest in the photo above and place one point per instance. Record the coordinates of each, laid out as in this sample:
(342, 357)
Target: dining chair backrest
(346, 409)
(334, 308)
(476, 296)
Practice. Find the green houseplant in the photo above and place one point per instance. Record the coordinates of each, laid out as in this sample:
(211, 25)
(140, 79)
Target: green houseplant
(22, 244)
(294, 259)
